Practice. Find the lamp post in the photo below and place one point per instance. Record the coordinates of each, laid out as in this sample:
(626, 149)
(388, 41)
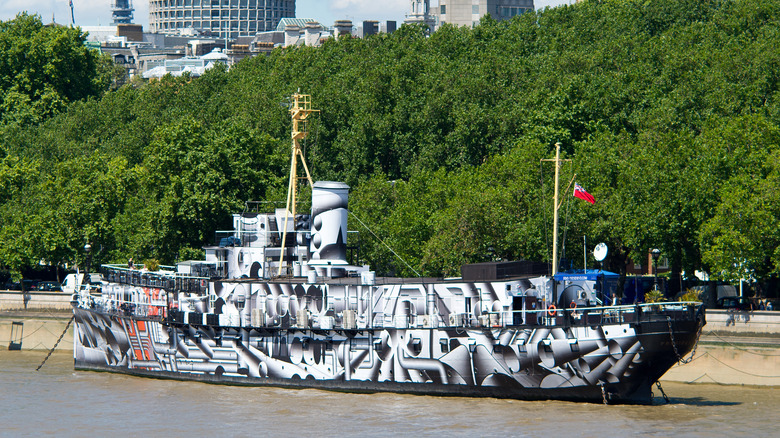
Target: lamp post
(88, 252)
(655, 253)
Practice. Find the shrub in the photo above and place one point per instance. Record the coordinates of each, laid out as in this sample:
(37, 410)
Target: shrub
(691, 295)
(151, 264)
(655, 296)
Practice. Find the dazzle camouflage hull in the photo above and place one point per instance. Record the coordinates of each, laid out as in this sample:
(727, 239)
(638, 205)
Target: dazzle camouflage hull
(382, 339)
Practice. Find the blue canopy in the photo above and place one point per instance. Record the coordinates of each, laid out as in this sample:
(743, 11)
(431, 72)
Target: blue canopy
(588, 274)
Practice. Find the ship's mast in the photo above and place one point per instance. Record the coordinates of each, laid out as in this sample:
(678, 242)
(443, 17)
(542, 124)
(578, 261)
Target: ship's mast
(556, 206)
(300, 109)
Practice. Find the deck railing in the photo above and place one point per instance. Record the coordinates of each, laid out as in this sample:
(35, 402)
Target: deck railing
(153, 304)
(165, 278)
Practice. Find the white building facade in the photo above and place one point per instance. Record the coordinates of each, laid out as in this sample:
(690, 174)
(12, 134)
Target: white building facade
(223, 18)
(420, 12)
(469, 12)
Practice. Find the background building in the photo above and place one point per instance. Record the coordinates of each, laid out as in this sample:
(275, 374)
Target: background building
(420, 12)
(122, 11)
(469, 12)
(225, 18)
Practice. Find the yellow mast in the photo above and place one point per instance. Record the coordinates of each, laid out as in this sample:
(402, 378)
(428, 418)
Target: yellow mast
(300, 109)
(556, 206)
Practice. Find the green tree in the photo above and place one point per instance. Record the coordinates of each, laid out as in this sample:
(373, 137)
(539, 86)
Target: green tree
(43, 68)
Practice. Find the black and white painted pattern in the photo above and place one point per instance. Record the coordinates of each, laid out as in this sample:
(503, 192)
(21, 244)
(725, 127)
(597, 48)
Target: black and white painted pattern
(445, 337)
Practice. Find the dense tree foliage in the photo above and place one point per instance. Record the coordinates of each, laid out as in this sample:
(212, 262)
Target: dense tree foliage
(668, 110)
(44, 68)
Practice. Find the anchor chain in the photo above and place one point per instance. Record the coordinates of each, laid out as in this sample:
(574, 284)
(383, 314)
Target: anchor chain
(658, 384)
(680, 359)
(56, 343)
(603, 393)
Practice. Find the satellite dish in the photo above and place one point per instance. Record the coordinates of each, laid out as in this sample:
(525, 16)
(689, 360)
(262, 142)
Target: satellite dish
(600, 252)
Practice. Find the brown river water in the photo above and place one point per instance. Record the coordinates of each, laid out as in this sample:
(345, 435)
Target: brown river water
(58, 401)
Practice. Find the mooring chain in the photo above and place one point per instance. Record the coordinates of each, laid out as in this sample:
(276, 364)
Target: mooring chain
(603, 393)
(56, 343)
(658, 384)
(674, 344)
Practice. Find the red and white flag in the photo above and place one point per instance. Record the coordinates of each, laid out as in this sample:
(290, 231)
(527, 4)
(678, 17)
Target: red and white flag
(581, 193)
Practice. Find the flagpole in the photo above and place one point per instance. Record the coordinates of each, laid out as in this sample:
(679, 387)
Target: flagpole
(584, 255)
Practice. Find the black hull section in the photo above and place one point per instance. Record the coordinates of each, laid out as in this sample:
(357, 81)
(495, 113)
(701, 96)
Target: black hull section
(560, 362)
(629, 395)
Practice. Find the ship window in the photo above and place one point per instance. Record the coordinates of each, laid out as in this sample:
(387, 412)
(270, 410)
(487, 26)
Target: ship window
(416, 346)
(445, 347)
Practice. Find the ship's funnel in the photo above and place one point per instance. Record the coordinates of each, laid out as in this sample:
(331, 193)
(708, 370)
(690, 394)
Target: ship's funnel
(329, 212)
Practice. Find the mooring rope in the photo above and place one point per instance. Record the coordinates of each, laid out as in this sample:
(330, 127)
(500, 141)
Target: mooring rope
(386, 245)
(56, 343)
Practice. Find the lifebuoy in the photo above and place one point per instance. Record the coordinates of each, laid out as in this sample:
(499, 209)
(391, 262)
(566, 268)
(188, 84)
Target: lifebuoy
(573, 305)
(551, 310)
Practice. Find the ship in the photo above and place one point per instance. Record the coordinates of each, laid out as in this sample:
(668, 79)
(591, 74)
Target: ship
(276, 303)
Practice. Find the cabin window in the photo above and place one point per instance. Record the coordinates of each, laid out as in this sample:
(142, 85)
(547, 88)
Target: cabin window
(445, 346)
(416, 346)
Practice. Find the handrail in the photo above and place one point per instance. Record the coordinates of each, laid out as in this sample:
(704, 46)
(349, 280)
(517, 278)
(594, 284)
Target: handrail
(166, 271)
(528, 318)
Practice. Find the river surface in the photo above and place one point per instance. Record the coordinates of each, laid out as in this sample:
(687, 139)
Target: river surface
(58, 401)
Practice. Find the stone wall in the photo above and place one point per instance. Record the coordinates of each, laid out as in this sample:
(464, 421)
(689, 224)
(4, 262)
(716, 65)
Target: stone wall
(742, 322)
(38, 333)
(34, 301)
(729, 364)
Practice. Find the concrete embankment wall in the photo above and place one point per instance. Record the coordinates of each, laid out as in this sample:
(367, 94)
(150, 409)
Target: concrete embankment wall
(39, 331)
(34, 301)
(741, 348)
(730, 364)
(740, 323)
(44, 316)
